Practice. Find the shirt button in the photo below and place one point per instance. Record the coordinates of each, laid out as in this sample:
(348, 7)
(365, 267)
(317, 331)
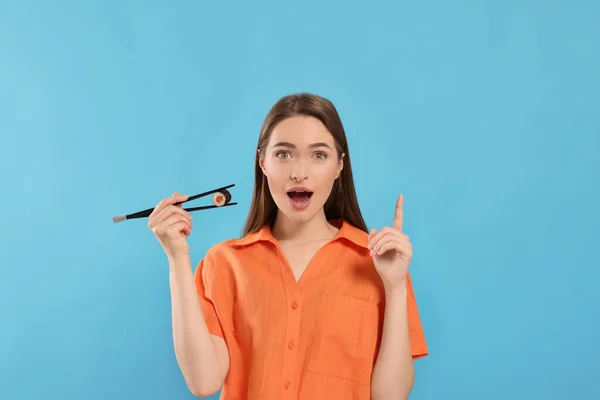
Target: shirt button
(291, 344)
(287, 384)
(294, 305)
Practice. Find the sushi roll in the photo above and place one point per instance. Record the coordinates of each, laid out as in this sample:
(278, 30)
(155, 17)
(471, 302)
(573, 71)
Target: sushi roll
(221, 198)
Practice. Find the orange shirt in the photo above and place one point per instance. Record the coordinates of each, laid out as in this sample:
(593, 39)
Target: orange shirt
(314, 339)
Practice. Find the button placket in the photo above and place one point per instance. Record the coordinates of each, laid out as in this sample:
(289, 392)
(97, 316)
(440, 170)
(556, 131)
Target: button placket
(292, 333)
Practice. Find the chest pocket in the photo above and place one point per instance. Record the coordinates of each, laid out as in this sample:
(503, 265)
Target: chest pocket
(345, 338)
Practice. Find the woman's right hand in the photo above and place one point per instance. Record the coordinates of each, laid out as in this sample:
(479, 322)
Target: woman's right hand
(171, 224)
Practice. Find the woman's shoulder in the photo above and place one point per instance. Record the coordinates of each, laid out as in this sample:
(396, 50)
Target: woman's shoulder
(233, 246)
(229, 258)
(245, 241)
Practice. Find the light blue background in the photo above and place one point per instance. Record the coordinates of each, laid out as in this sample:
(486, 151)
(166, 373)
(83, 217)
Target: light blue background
(485, 114)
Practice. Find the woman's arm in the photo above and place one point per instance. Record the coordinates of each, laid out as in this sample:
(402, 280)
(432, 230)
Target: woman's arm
(393, 372)
(203, 358)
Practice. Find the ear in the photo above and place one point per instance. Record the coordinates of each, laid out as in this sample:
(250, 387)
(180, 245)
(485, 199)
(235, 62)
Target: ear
(261, 163)
(340, 166)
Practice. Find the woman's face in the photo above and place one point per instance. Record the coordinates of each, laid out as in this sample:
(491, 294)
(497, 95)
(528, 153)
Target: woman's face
(301, 165)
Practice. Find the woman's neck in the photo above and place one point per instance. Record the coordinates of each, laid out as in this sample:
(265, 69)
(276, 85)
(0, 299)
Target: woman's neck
(317, 228)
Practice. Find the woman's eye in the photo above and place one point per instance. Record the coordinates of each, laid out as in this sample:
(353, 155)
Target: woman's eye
(320, 156)
(281, 154)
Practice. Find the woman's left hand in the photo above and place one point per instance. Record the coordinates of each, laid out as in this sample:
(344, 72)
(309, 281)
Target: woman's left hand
(391, 250)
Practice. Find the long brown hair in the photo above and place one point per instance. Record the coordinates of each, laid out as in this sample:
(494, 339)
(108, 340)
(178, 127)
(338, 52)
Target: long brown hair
(342, 202)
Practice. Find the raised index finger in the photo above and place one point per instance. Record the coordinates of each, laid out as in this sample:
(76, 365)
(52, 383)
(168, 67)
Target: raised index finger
(399, 214)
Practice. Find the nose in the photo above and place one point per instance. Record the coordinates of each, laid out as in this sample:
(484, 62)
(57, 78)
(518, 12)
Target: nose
(298, 171)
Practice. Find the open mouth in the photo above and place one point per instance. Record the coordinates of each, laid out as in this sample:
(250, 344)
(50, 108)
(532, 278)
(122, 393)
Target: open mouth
(299, 196)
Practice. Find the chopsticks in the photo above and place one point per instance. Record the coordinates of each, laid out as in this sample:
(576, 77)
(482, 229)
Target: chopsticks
(221, 198)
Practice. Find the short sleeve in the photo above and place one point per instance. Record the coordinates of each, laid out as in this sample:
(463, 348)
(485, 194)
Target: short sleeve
(211, 286)
(418, 344)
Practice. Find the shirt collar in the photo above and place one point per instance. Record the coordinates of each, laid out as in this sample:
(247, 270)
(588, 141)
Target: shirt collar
(346, 231)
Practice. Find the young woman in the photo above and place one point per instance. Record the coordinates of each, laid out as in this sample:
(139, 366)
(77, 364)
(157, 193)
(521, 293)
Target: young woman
(307, 304)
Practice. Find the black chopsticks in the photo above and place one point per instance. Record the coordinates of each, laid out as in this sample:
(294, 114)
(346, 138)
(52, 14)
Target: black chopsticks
(221, 198)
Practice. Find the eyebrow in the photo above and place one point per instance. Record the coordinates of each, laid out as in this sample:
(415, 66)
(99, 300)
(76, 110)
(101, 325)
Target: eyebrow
(293, 146)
